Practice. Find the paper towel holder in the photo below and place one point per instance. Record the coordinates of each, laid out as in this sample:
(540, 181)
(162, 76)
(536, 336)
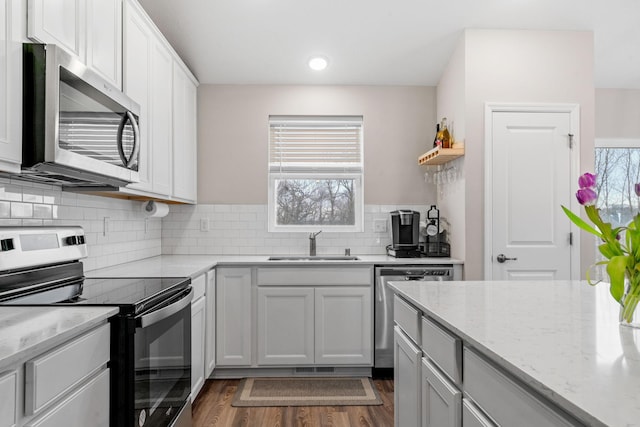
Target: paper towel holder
(151, 208)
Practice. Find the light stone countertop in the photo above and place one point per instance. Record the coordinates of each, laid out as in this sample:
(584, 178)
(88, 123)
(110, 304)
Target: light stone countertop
(562, 338)
(28, 331)
(194, 265)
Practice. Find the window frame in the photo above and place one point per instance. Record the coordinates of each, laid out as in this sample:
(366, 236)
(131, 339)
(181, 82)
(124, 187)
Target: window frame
(317, 171)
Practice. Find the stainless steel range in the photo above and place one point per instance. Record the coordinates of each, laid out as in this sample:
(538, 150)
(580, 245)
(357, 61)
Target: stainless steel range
(151, 336)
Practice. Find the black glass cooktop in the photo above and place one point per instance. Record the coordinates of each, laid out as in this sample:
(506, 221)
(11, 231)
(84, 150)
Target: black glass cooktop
(136, 294)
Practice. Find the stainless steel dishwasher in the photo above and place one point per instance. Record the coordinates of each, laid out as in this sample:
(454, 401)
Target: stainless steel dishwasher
(383, 297)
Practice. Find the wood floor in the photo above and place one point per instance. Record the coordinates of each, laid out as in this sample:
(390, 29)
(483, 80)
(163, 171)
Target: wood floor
(213, 408)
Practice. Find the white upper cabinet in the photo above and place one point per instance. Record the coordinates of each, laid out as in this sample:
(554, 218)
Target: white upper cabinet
(60, 22)
(11, 92)
(104, 39)
(89, 29)
(185, 172)
(161, 119)
(138, 42)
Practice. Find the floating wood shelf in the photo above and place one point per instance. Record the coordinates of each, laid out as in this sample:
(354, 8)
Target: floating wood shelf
(438, 156)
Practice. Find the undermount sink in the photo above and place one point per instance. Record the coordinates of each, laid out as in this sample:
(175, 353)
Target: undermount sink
(314, 258)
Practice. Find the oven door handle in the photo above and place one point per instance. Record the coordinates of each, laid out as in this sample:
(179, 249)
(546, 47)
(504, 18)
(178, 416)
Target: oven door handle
(161, 314)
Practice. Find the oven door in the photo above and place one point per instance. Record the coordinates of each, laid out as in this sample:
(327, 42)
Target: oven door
(162, 362)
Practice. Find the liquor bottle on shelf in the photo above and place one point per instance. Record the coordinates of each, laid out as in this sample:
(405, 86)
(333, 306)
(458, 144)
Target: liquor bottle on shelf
(446, 136)
(437, 142)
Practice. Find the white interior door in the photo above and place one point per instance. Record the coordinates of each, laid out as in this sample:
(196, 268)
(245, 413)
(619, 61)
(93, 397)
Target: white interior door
(530, 176)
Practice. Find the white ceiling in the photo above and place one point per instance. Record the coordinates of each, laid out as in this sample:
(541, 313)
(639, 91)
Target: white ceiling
(377, 42)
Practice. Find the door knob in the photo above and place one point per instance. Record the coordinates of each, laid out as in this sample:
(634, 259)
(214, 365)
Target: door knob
(502, 258)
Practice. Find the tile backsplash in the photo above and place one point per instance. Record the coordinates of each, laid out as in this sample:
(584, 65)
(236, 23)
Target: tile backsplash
(242, 230)
(129, 235)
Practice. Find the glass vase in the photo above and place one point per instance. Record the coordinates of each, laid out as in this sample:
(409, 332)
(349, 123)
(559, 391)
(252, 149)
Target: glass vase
(629, 312)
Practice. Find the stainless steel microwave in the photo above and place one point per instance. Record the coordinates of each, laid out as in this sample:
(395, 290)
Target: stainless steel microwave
(78, 130)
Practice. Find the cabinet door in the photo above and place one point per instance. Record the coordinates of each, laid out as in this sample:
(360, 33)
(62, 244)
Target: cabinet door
(138, 41)
(441, 400)
(343, 332)
(88, 406)
(161, 117)
(8, 403)
(285, 326)
(406, 380)
(233, 316)
(473, 417)
(60, 22)
(10, 92)
(185, 169)
(198, 325)
(210, 330)
(104, 39)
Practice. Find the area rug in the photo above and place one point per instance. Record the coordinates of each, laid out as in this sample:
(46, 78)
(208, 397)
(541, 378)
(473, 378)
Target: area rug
(306, 392)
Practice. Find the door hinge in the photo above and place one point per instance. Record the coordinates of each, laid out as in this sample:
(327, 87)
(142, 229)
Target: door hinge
(571, 238)
(571, 141)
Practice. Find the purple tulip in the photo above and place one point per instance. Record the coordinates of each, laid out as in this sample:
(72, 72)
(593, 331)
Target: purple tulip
(586, 196)
(587, 180)
(637, 188)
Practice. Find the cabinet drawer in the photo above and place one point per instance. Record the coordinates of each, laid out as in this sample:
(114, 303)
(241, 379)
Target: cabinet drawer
(199, 285)
(502, 399)
(443, 348)
(407, 317)
(55, 372)
(8, 384)
(473, 417)
(88, 406)
(315, 276)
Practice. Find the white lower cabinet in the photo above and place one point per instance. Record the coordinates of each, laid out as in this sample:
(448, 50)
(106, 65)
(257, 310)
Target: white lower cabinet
(343, 326)
(67, 385)
(233, 316)
(8, 403)
(198, 327)
(434, 369)
(406, 380)
(210, 339)
(441, 399)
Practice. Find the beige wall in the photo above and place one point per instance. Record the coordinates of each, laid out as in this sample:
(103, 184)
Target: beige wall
(618, 113)
(451, 104)
(525, 67)
(399, 125)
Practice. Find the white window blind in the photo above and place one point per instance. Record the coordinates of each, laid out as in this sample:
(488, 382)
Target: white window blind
(323, 144)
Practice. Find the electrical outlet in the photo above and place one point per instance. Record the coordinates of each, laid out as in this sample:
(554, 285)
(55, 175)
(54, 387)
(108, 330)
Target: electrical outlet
(380, 225)
(106, 225)
(204, 224)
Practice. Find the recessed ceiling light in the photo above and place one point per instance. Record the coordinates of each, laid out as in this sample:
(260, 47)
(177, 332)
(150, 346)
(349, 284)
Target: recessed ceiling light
(318, 63)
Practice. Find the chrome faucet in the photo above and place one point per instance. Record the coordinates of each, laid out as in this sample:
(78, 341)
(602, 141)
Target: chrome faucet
(312, 243)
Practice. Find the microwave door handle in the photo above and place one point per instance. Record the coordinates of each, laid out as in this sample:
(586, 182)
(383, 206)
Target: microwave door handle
(161, 314)
(136, 139)
(128, 116)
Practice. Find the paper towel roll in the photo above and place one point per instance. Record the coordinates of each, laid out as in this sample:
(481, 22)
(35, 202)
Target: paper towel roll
(153, 209)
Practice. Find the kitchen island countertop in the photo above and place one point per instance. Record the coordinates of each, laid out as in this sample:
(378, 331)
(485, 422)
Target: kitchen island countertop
(194, 265)
(562, 338)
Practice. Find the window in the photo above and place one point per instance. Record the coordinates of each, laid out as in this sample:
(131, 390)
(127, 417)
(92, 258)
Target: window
(315, 173)
(617, 166)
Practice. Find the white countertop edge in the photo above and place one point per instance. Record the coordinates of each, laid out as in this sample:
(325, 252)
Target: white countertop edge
(196, 265)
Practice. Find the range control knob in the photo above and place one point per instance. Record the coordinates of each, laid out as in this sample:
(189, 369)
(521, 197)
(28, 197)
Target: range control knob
(6, 245)
(75, 240)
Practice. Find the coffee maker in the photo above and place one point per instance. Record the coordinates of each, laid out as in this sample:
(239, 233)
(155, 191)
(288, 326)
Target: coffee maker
(405, 231)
